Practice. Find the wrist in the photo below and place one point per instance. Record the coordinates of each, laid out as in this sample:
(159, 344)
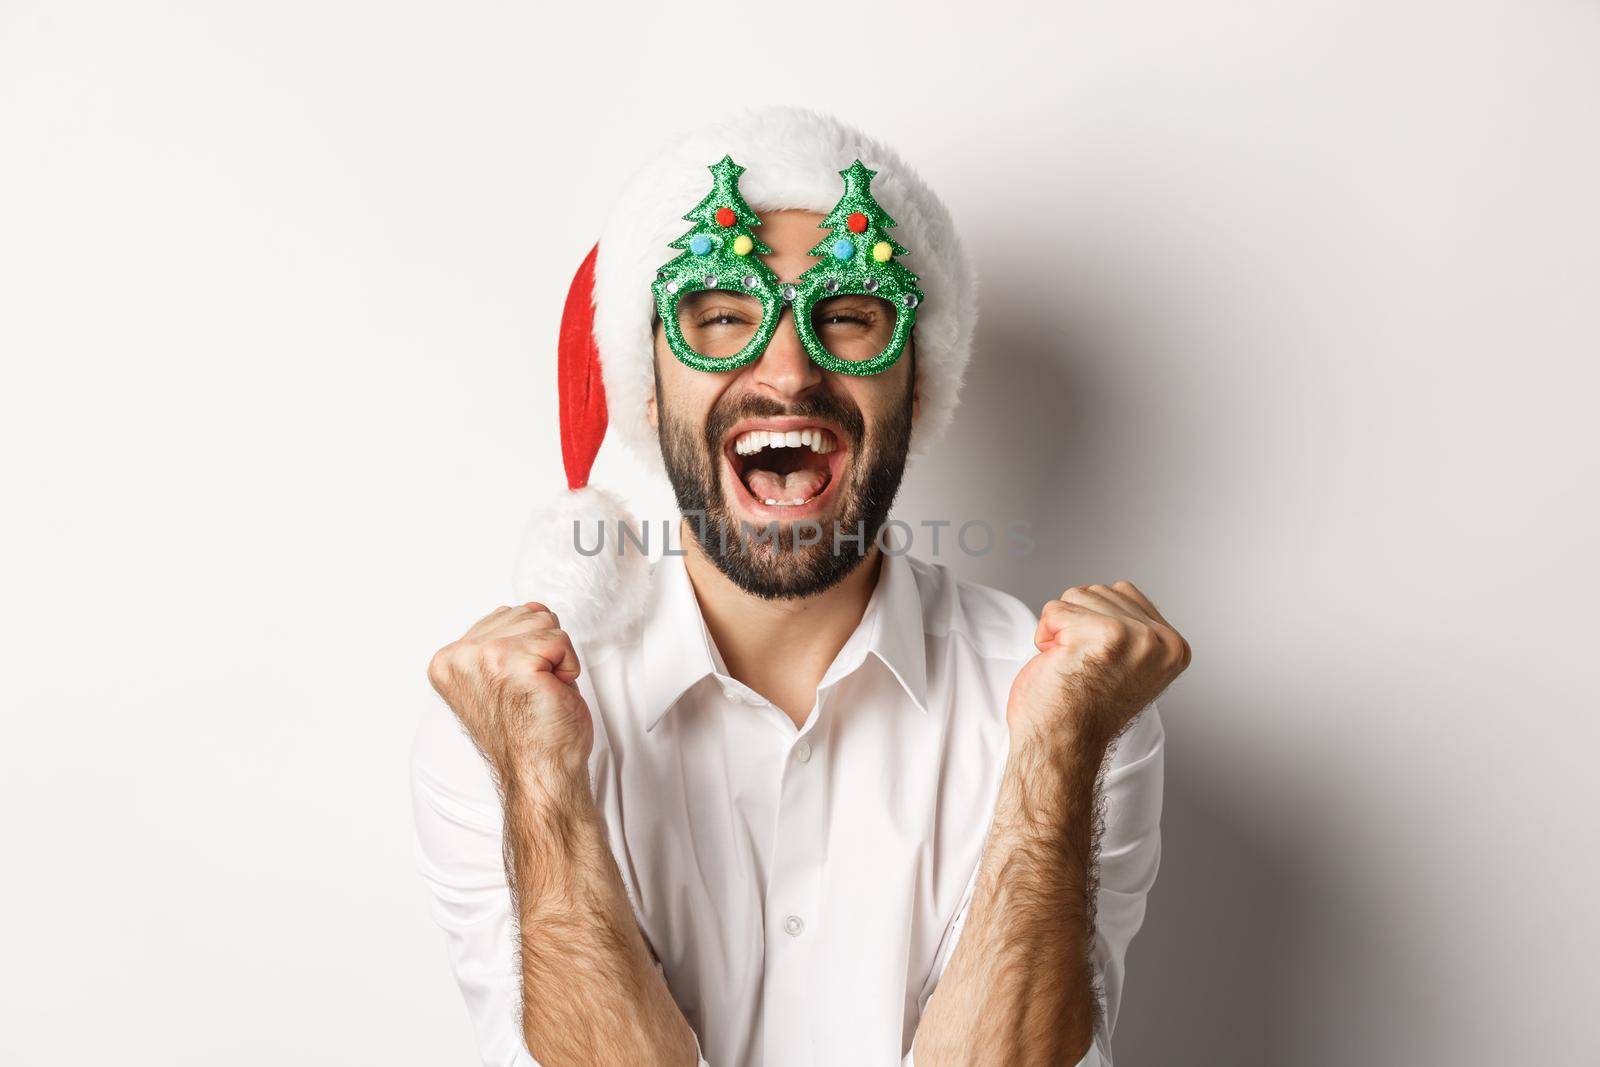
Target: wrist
(543, 784)
(550, 822)
(1050, 778)
(1068, 738)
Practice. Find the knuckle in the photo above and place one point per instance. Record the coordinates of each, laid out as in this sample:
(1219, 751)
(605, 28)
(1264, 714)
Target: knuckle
(440, 664)
(491, 658)
(1114, 633)
(1147, 639)
(519, 668)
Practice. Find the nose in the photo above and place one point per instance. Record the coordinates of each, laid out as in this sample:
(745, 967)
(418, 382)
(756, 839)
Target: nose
(784, 369)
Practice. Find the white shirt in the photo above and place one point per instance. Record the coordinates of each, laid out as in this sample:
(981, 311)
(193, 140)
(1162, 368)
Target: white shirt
(803, 889)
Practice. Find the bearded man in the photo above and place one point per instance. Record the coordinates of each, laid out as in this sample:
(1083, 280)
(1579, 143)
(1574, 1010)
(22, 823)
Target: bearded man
(785, 798)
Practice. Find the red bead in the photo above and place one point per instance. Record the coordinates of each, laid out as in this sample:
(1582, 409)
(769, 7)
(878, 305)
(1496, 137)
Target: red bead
(857, 222)
(726, 217)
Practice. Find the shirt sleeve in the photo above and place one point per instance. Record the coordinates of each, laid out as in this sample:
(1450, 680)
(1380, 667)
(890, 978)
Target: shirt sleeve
(1130, 853)
(459, 828)
(458, 824)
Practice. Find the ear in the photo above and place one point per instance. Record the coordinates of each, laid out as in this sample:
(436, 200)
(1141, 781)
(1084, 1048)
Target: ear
(657, 340)
(916, 387)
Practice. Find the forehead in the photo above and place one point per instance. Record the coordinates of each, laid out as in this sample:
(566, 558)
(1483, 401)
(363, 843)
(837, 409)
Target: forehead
(791, 234)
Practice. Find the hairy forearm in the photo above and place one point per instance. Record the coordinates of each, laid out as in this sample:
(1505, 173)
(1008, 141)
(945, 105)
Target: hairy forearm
(1018, 990)
(591, 993)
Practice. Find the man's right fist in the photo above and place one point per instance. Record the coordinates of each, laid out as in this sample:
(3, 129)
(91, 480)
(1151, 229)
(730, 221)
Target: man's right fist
(512, 680)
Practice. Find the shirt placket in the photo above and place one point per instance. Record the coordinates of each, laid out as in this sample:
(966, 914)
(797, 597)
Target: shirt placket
(793, 911)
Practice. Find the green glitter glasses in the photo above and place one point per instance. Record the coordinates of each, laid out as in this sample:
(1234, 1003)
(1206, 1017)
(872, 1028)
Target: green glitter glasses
(720, 305)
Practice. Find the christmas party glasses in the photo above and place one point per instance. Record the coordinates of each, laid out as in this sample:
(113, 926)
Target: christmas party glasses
(720, 305)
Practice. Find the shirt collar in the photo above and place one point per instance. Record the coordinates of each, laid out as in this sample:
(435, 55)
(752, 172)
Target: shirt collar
(891, 629)
(677, 650)
(674, 644)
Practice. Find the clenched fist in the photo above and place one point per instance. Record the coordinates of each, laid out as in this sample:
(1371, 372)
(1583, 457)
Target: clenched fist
(512, 681)
(1105, 653)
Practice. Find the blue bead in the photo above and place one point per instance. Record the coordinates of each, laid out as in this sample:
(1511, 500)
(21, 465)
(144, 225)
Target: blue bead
(700, 244)
(843, 249)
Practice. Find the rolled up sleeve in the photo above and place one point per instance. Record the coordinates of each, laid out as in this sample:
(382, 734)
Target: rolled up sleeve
(1130, 854)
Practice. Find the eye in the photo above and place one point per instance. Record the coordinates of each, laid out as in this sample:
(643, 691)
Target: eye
(849, 317)
(852, 313)
(719, 317)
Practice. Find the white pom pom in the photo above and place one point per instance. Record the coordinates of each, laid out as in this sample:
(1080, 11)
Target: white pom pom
(598, 596)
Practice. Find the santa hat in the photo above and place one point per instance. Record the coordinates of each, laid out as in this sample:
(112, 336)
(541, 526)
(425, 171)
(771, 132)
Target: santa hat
(792, 158)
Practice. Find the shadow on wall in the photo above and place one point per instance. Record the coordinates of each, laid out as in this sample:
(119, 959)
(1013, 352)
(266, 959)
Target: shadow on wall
(1252, 954)
(1212, 974)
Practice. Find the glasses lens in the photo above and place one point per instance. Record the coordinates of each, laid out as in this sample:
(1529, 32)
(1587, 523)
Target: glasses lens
(718, 323)
(854, 327)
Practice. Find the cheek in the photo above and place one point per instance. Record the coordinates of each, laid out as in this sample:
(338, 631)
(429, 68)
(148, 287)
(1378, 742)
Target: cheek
(686, 394)
(882, 398)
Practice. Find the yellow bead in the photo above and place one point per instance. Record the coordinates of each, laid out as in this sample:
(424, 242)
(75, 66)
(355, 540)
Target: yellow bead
(882, 251)
(742, 245)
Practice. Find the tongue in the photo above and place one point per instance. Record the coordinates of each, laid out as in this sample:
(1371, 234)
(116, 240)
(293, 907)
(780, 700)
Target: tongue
(785, 488)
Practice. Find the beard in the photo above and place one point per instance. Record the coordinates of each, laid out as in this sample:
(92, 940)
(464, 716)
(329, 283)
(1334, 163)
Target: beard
(780, 566)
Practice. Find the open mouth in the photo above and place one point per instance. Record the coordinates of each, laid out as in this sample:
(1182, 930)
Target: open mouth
(785, 466)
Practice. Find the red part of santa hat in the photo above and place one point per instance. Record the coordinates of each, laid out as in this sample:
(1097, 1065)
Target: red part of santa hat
(598, 592)
(581, 390)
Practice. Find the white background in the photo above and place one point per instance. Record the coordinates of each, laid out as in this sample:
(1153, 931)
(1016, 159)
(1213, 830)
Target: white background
(1289, 315)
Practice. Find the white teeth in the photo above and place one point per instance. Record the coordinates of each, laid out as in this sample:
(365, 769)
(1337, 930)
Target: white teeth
(817, 439)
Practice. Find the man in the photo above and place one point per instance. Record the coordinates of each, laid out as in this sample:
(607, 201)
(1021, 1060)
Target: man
(817, 803)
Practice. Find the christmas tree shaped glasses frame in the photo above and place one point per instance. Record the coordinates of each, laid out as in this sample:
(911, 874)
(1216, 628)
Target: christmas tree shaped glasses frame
(858, 258)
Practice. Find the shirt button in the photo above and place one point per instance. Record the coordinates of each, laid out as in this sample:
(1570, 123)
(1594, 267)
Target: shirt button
(733, 695)
(802, 751)
(793, 925)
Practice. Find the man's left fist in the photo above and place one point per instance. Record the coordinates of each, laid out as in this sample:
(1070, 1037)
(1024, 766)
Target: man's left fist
(1105, 653)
